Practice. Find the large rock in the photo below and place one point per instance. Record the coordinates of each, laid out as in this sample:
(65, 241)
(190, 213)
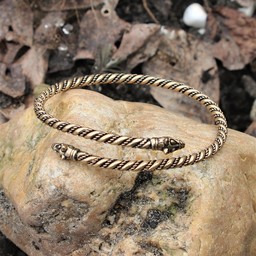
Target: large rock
(49, 206)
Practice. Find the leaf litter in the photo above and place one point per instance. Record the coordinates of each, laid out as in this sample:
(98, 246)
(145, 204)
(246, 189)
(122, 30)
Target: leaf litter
(233, 37)
(51, 40)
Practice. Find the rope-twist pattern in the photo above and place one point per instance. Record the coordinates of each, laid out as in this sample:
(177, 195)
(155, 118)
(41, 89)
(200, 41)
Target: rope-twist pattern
(166, 144)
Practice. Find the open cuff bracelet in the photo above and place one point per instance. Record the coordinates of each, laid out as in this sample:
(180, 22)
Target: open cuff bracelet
(165, 144)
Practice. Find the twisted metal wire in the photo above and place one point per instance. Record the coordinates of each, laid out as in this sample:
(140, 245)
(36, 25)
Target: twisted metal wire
(165, 144)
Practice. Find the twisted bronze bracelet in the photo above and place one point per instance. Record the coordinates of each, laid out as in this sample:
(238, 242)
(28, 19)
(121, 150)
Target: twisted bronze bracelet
(166, 144)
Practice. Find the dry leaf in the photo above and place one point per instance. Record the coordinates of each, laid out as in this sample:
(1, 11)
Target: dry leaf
(233, 37)
(12, 111)
(98, 29)
(83, 54)
(5, 18)
(62, 5)
(163, 6)
(109, 5)
(12, 50)
(16, 22)
(34, 64)
(22, 21)
(133, 40)
(12, 81)
(183, 58)
(143, 54)
(251, 130)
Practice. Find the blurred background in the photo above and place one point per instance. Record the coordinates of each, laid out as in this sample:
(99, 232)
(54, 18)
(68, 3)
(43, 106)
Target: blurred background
(209, 45)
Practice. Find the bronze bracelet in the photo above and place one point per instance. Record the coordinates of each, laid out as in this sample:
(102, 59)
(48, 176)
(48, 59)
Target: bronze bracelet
(166, 144)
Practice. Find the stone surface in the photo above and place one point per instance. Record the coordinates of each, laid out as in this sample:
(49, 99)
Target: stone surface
(54, 207)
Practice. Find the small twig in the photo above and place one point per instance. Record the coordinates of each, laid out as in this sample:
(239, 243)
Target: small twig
(152, 16)
(207, 6)
(94, 13)
(62, 4)
(77, 15)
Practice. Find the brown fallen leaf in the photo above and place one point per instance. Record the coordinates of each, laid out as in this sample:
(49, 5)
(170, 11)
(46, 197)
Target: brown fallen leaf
(12, 81)
(181, 57)
(233, 37)
(99, 30)
(5, 19)
(16, 22)
(12, 50)
(60, 5)
(144, 53)
(22, 21)
(12, 111)
(83, 54)
(34, 64)
(251, 130)
(134, 40)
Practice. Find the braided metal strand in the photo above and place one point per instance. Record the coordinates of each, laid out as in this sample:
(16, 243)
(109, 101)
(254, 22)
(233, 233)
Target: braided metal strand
(166, 144)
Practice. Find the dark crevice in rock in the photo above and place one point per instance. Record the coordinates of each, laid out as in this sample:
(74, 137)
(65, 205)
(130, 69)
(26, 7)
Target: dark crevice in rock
(154, 217)
(7, 101)
(64, 209)
(39, 229)
(176, 196)
(21, 52)
(35, 245)
(152, 248)
(181, 195)
(6, 246)
(62, 239)
(125, 200)
(142, 178)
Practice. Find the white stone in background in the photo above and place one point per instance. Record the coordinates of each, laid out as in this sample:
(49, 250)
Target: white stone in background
(195, 16)
(248, 11)
(67, 29)
(62, 47)
(201, 31)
